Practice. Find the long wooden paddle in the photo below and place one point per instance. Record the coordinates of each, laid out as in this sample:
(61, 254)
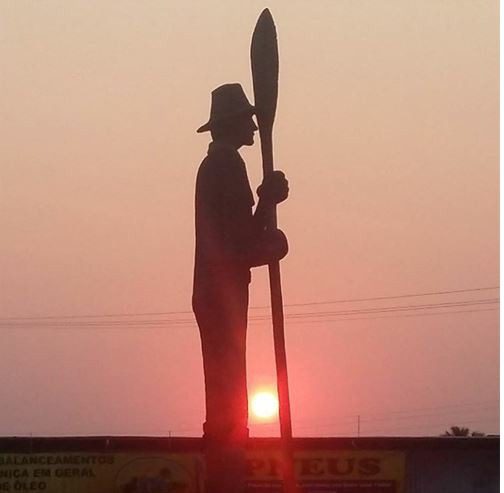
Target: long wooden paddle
(264, 58)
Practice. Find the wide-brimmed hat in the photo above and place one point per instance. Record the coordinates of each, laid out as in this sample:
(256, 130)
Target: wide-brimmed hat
(228, 101)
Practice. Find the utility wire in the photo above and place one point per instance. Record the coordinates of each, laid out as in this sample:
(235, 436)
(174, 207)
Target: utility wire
(327, 302)
(391, 308)
(414, 315)
(312, 424)
(378, 298)
(315, 314)
(310, 317)
(351, 419)
(158, 326)
(391, 415)
(439, 424)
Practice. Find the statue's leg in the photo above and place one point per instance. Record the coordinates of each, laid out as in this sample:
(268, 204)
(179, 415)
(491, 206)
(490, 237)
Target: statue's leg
(223, 339)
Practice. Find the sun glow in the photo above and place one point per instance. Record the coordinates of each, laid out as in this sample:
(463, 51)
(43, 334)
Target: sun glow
(264, 405)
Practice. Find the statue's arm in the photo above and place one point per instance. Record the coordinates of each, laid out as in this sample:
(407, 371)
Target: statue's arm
(244, 238)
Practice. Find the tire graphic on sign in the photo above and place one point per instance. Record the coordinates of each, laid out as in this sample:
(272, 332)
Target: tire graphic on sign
(154, 475)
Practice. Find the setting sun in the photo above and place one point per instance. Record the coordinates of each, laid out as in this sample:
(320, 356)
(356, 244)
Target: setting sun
(264, 405)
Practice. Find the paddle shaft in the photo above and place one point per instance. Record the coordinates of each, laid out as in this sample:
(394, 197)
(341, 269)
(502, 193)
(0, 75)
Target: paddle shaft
(278, 332)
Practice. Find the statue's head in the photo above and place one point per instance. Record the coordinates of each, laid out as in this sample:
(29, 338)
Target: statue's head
(231, 116)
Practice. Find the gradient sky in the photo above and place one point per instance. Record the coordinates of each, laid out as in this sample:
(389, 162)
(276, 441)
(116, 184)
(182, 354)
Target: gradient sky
(387, 128)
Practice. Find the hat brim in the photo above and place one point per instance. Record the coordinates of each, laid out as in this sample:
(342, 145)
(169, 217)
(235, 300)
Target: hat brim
(215, 121)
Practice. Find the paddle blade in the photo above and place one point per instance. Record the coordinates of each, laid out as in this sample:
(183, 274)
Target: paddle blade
(264, 59)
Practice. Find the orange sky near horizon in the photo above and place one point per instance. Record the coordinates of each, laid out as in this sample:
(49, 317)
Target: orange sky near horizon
(388, 130)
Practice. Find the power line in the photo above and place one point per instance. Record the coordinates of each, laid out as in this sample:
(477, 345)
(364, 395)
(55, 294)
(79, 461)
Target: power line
(415, 315)
(448, 408)
(295, 318)
(350, 420)
(188, 428)
(439, 424)
(412, 429)
(395, 416)
(326, 302)
(159, 326)
(427, 415)
(307, 314)
(378, 298)
(396, 308)
(455, 415)
(460, 405)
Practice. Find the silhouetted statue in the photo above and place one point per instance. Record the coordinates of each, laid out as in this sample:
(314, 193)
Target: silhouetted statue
(230, 240)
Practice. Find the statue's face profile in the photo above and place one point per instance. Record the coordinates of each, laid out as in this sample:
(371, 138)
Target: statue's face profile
(240, 131)
(246, 128)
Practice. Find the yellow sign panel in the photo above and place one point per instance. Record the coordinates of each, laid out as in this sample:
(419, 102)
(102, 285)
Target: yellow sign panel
(329, 471)
(100, 473)
(324, 471)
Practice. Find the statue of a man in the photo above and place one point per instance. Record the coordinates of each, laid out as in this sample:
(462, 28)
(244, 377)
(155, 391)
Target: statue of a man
(231, 238)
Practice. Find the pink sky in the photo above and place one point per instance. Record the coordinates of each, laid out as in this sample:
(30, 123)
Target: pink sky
(387, 128)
